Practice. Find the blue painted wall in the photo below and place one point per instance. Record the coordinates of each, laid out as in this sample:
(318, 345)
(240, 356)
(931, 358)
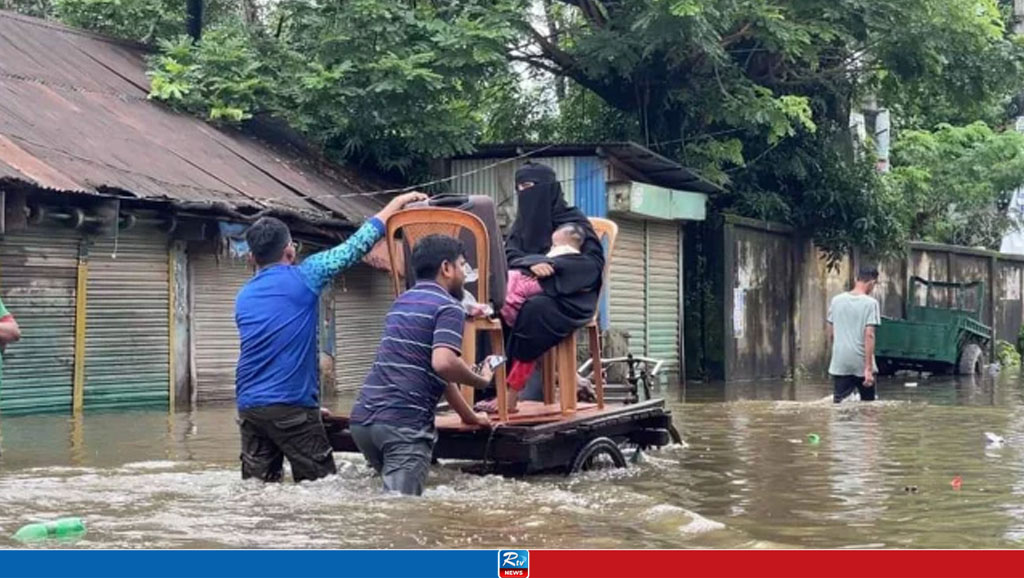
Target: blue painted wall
(591, 197)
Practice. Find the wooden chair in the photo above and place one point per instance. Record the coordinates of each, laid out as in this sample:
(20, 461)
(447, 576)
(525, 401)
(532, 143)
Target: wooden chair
(561, 359)
(417, 223)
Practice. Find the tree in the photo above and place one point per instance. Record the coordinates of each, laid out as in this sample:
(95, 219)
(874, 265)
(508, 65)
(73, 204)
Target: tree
(955, 184)
(758, 93)
(373, 81)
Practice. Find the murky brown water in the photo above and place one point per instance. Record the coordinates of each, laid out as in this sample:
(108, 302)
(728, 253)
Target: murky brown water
(747, 478)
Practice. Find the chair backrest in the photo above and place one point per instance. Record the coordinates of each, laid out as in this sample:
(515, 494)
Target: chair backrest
(607, 231)
(415, 224)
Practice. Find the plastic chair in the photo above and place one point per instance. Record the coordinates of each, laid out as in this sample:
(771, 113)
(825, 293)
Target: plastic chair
(414, 224)
(561, 359)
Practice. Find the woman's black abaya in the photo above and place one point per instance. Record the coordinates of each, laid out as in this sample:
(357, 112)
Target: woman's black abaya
(571, 294)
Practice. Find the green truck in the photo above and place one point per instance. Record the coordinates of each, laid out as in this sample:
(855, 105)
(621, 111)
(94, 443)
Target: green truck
(942, 333)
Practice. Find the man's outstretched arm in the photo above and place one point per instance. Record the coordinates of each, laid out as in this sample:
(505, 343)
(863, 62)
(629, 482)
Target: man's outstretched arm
(319, 269)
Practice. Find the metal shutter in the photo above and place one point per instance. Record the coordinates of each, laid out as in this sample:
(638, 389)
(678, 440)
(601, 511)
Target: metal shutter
(663, 316)
(626, 300)
(127, 337)
(216, 281)
(38, 276)
(362, 297)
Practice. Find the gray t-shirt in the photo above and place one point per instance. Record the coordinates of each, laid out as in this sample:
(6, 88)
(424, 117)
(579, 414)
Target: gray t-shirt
(849, 314)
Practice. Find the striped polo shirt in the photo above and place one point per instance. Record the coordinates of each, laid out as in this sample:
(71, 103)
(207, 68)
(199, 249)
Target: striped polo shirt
(402, 388)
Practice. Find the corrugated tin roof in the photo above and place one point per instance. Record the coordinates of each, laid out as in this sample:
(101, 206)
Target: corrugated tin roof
(74, 117)
(642, 163)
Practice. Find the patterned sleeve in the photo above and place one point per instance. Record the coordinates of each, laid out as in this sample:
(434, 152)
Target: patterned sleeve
(319, 269)
(451, 319)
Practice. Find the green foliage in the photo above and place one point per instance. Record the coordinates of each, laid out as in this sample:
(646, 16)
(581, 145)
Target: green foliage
(140, 20)
(387, 83)
(37, 8)
(757, 95)
(221, 78)
(955, 183)
(1007, 355)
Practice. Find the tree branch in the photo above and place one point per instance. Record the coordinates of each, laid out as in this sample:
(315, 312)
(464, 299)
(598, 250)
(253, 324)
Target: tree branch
(590, 11)
(532, 61)
(735, 37)
(553, 52)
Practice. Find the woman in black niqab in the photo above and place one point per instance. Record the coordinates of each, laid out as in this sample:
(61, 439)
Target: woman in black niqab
(570, 295)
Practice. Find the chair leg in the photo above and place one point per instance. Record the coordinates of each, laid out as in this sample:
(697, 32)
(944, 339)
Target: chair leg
(595, 356)
(548, 361)
(566, 355)
(498, 348)
(469, 355)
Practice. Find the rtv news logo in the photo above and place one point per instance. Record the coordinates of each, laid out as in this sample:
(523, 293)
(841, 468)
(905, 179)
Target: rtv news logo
(513, 563)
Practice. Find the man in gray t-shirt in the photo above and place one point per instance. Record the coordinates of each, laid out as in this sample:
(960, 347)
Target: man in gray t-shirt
(852, 318)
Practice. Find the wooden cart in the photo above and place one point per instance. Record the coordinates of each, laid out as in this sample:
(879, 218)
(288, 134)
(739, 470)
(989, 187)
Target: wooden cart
(538, 438)
(562, 435)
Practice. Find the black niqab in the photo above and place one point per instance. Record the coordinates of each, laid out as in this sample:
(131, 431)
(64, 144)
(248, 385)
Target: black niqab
(571, 294)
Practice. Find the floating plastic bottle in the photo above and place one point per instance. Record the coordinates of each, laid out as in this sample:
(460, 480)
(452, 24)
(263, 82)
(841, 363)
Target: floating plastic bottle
(62, 529)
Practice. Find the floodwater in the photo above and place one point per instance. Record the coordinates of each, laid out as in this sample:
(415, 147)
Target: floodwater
(746, 478)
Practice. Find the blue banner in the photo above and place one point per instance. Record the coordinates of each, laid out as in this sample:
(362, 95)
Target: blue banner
(249, 563)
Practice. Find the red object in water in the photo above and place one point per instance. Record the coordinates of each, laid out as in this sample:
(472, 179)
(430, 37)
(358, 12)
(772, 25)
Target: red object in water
(957, 482)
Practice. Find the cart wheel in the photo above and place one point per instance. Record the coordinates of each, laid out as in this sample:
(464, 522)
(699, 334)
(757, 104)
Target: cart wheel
(591, 455)
(972, 360)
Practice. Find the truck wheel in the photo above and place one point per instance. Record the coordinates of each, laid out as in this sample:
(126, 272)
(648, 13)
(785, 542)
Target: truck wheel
(972, 360)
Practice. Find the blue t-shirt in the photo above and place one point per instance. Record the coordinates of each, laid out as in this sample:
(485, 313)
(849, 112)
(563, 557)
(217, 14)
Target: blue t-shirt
(276, 315)
(402, 388)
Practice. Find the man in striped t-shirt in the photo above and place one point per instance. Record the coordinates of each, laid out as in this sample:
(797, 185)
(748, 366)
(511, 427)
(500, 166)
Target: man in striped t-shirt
(417, 362)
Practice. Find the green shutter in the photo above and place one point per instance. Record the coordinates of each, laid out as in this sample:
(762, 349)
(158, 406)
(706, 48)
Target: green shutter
(362, 298)
(127, 337)
(216, 281)
(626, 298)
(663, 315)
(38, 275)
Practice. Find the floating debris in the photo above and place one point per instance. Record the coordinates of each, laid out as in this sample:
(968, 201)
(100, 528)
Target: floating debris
(62, 529)
(994, 440)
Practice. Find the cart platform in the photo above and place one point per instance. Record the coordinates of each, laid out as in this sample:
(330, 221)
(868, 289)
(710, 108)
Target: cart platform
(538, 438)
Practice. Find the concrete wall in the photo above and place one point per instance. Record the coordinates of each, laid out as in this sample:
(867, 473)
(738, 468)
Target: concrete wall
(759, 309)
(759, 300)
(817, 282)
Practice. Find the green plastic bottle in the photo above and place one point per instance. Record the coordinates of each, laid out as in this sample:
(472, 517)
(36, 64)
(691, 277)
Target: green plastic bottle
(62, 529)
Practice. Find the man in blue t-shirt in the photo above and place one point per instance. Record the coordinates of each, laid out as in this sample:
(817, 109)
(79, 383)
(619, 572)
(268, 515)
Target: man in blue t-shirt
(417, 362)
(276, 382)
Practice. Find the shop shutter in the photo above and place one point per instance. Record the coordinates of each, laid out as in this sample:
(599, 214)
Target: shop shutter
(663, 316)
(216, 281)
(626, 300)
(362, 297)
(127, 337)
(38, 276)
